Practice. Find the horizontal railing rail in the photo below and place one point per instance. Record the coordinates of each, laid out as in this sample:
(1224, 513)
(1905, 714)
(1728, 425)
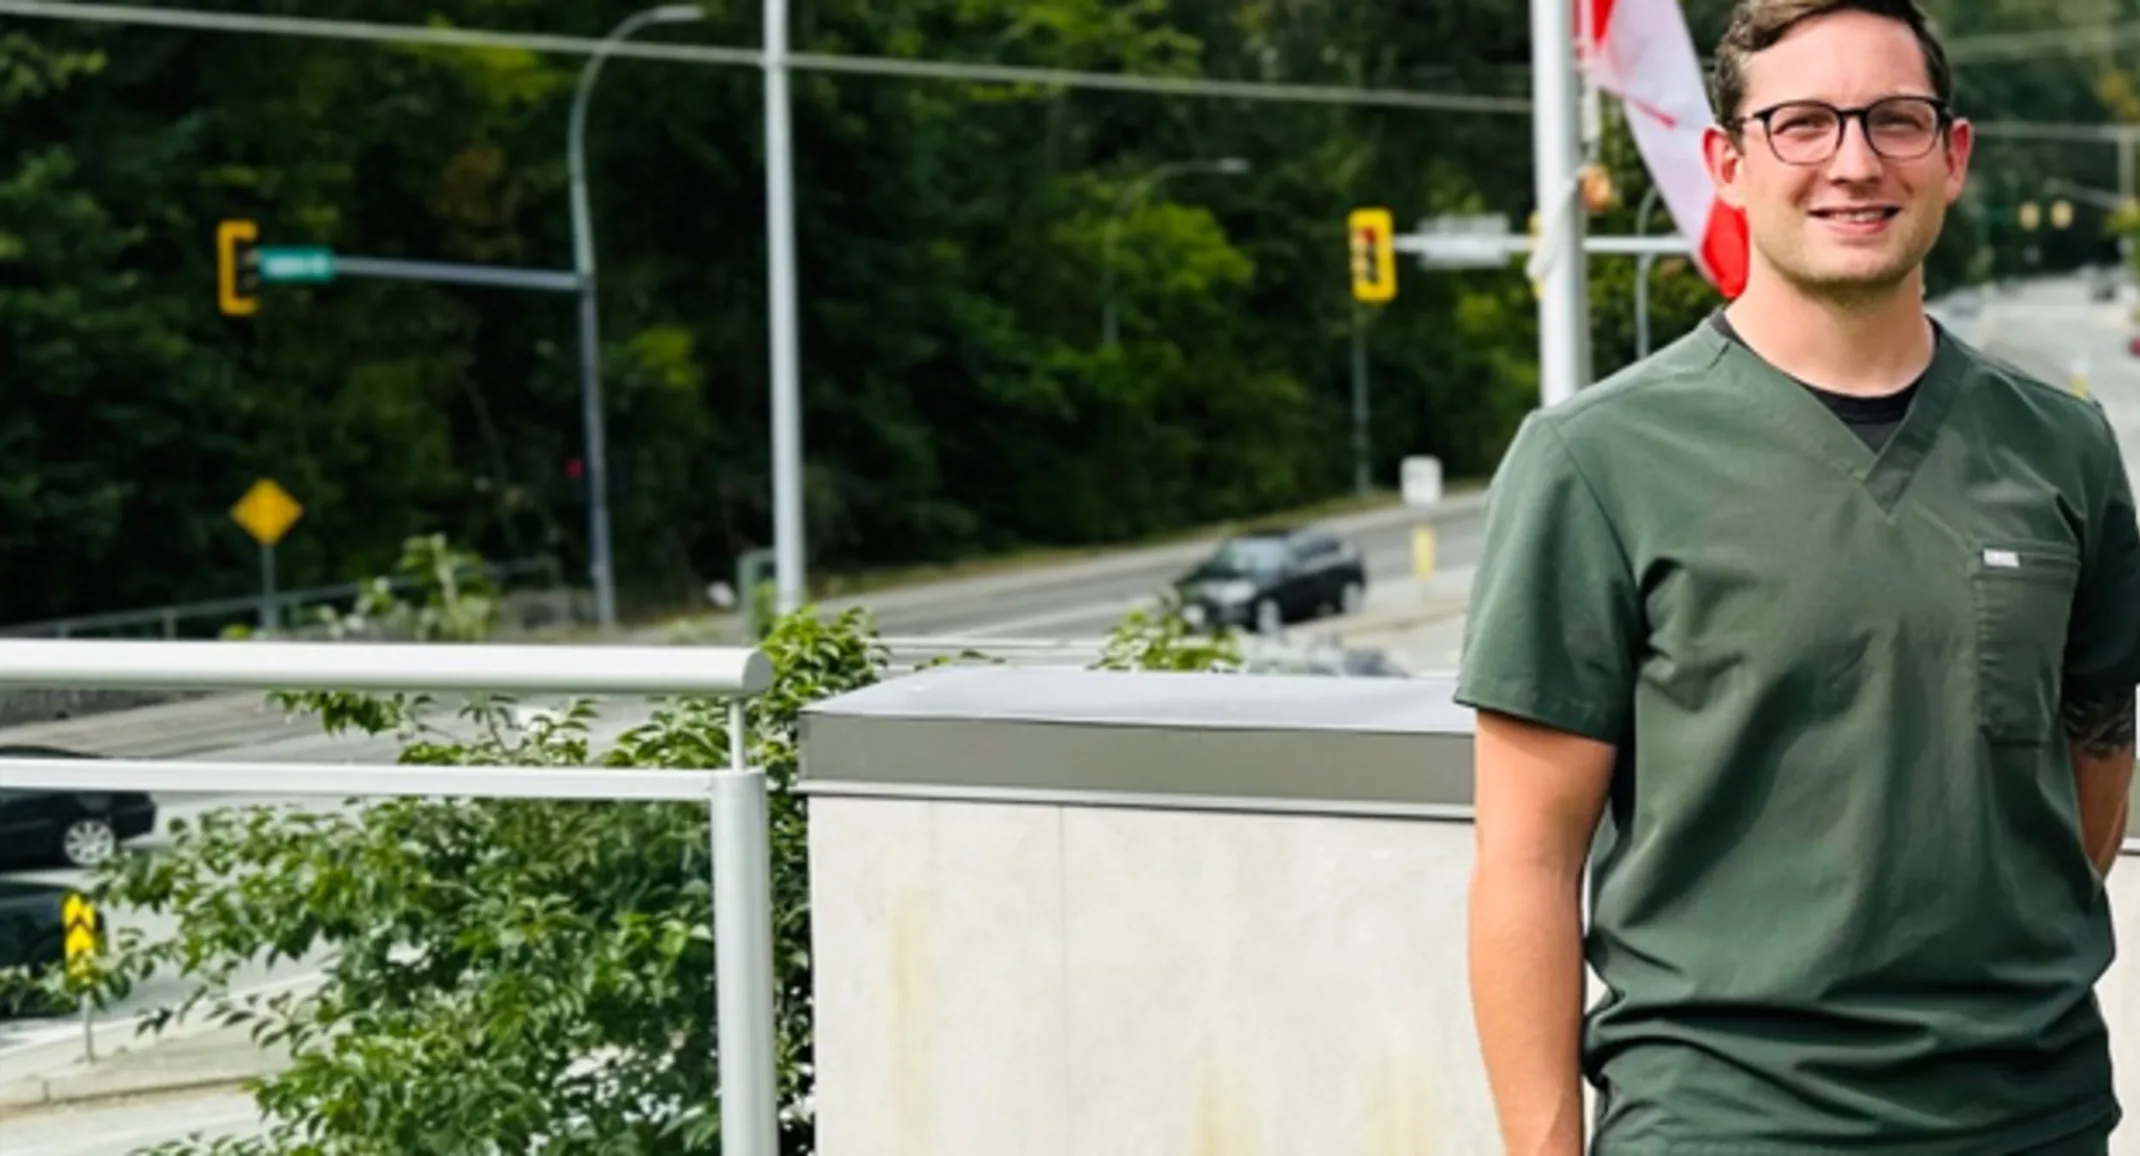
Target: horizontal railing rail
(735, 794)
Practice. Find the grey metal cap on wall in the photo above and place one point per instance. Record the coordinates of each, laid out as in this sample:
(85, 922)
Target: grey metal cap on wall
(1201, 741)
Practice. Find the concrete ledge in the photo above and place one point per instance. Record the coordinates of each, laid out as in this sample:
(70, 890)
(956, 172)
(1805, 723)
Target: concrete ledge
(189, 1058)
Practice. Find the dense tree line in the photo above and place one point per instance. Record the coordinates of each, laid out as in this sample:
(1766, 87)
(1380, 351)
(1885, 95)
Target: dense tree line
(958, 398)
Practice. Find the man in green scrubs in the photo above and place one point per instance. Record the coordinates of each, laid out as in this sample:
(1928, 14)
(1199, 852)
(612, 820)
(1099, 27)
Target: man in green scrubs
(1814, 637)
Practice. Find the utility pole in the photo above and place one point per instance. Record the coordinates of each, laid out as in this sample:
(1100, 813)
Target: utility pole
(781, 293)
(1563, 283)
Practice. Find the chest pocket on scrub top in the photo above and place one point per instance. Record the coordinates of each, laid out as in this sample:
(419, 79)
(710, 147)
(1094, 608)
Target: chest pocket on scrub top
(2023, 593)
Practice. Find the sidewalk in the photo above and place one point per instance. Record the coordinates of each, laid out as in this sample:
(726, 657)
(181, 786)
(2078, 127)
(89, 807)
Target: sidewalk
(1419, 624)
(185, 1058)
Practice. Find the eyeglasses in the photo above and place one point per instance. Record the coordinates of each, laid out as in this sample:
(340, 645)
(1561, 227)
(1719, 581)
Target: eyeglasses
(1808, 132)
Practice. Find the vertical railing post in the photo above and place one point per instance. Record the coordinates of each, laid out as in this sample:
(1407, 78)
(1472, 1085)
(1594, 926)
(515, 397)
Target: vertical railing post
(743, 950)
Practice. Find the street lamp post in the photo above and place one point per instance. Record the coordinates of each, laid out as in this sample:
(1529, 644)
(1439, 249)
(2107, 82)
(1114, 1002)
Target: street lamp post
(601, 563)
(1230, 166)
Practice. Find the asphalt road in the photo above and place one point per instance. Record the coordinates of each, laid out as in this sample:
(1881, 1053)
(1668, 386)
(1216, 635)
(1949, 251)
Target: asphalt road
(1078, 601)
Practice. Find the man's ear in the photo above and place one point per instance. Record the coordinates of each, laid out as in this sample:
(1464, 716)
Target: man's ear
(1725, 163)
(1961, 142)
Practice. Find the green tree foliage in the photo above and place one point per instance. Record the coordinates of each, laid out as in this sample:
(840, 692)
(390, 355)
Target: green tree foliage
(503, 975)
(952, 239)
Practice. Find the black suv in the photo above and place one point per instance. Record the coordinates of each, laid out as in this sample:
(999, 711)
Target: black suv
(1267, 579)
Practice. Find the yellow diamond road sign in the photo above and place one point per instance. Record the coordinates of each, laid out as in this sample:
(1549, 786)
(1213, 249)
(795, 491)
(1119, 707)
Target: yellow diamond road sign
(80, 918)
(267, 511)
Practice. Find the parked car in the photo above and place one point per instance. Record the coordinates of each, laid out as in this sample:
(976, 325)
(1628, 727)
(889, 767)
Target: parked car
(33, 935)
(1267, 579)
(76, 828)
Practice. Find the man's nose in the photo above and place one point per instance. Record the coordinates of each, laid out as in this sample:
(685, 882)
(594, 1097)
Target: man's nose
(1854, 158)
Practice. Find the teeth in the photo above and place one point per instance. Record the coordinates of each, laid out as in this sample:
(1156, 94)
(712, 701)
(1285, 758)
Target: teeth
(1861, 214)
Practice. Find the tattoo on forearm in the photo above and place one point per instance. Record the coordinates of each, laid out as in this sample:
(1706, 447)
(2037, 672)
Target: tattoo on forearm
(2098, 723)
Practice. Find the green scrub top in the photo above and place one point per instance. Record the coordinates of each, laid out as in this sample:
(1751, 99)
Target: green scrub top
(1839, 900)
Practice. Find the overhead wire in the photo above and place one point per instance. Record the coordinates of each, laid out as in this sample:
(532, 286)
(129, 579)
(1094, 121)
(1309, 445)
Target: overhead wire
(2006, 46)
(730, 56)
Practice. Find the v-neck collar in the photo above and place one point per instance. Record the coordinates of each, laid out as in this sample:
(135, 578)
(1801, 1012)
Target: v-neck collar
(1885, 475)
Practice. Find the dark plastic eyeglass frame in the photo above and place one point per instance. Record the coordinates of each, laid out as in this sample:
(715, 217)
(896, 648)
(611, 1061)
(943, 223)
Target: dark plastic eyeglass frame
(1942, 112)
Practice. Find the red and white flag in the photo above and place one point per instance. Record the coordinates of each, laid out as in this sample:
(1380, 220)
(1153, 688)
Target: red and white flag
(1641, 52)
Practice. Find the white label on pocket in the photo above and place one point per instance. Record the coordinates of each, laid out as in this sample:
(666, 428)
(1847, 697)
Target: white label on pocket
(2003, 559)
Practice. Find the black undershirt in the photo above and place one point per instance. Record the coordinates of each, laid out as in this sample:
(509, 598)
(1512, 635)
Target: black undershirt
(1873, 419)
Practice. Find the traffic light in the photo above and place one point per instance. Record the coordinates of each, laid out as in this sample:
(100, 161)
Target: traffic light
(1374, 255)
(237, 268)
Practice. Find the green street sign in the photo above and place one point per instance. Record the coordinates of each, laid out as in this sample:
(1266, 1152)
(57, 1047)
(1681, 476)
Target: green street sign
(296, 264)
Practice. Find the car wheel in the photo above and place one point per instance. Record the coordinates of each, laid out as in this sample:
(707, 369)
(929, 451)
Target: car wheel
(1354, 598)
(88, 842)
(1268, 618)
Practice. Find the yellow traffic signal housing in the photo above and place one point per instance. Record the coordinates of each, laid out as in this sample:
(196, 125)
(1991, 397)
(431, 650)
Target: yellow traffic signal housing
(1374, 255)
(237, 268)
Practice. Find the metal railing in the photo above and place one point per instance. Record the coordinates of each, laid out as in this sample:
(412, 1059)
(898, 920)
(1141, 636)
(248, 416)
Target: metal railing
(736, 795)
(165, 621)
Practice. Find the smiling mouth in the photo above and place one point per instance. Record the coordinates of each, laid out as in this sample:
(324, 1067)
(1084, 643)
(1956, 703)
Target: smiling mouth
(1863, 216)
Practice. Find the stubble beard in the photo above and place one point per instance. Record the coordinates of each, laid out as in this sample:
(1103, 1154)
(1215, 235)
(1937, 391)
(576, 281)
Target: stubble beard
(1854, 290)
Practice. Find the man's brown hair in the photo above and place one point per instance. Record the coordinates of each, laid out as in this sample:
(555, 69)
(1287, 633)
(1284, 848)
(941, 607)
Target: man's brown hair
(1756, 25)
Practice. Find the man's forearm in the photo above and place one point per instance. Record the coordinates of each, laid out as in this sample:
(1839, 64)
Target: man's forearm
(2101, 783)
(2099, 727)
(1527, 995)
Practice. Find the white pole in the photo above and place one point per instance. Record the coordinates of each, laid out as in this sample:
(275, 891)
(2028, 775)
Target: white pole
(743, 952)
(780, 289)
(1563, 289)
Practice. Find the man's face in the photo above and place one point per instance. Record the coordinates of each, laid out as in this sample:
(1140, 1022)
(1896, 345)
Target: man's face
(1841, 219)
